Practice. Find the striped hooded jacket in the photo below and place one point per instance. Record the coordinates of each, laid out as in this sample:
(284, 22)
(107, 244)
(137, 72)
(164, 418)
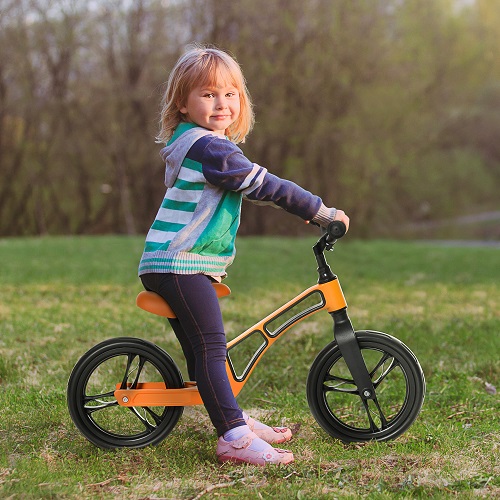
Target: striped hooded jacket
(206, 177)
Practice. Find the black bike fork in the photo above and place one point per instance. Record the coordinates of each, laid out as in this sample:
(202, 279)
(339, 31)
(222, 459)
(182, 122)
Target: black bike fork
(343, 331)
(345, 337)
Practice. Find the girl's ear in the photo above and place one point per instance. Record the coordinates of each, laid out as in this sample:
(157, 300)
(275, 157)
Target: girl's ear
(181, 106)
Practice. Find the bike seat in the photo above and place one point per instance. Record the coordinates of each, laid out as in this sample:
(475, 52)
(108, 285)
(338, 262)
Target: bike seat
(153, 303)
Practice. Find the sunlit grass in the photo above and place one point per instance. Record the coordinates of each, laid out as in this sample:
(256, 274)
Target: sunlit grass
(60, 296)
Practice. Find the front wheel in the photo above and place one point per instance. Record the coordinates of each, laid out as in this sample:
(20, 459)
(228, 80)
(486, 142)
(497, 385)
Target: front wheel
(93, 406)
(399, 385)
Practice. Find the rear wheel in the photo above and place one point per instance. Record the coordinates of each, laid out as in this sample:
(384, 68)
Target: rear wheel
(93, 406)
(399, 385)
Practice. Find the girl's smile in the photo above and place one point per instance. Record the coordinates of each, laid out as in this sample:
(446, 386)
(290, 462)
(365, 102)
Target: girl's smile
(213, 107)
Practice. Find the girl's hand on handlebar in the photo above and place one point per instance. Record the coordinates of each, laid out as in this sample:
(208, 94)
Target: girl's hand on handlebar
(341, 216)
(327, 215)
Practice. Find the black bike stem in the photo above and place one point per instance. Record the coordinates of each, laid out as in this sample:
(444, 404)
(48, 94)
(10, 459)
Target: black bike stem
(349, 348)
(325, 274)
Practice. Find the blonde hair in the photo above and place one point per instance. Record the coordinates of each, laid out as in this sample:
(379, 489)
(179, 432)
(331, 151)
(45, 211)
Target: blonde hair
(201, 66)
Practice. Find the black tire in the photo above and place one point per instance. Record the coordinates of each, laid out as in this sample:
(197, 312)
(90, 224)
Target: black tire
(399, 386)
(93, 407)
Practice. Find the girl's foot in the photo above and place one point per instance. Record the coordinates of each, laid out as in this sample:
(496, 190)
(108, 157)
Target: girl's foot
(272, 435)
(251, 450)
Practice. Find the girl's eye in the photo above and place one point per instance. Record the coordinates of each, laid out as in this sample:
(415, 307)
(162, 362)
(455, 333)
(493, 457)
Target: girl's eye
(210, 95)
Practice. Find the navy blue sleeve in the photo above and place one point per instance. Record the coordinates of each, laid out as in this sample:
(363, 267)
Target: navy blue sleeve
(224, 165)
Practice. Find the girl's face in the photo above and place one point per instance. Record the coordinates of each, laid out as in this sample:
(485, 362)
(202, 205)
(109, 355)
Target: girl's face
(214, 107)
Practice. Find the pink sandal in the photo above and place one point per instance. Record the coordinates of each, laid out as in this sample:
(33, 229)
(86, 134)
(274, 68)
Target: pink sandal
(237, 451)
(271, 435)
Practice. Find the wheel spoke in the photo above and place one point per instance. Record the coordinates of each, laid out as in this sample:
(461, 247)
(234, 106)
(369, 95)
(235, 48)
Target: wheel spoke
(373, 425)
(99, 396)
(102, 406)
(338, 386)
(329, 378)
(382, 360)
(381, 415)
(157, 418)
(130, 359)
(142, 419)
(142, 361)
(383, 375)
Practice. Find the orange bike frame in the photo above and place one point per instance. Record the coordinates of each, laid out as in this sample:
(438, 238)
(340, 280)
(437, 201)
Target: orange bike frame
(329, 298)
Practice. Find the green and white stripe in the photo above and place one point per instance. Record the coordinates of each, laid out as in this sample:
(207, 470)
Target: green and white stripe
(177, 208)
(196, 224)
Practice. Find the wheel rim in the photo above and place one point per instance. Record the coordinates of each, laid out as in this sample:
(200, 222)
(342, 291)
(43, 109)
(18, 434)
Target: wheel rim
(95, 410)
(399, 388)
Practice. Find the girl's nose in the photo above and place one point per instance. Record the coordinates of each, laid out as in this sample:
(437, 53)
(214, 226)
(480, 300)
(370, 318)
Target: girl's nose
(221, 103)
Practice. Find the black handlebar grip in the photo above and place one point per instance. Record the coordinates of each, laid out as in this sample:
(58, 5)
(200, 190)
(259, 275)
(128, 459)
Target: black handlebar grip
(336, 229)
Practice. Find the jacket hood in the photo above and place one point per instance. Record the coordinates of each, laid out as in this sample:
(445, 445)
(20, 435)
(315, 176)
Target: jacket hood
(173, 154)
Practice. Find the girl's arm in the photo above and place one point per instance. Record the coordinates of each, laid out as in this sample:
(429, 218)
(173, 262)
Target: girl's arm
(224, 165)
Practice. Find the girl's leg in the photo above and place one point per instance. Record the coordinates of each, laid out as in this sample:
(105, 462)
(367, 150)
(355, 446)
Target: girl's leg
(201, 333)
(194, 301)
(186, 347)
(150, 282)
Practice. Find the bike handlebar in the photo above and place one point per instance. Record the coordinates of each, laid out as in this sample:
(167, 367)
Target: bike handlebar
(336, 229)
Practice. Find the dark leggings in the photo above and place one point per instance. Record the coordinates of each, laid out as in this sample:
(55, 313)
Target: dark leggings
(200, 331)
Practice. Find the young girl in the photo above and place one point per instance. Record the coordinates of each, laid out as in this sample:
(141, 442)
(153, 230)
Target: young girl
(206, 112)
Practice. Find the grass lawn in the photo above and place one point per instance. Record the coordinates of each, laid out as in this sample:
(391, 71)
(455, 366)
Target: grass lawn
(60, 296)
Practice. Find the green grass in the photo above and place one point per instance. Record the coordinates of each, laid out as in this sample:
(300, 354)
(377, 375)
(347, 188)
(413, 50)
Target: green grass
(60, 296)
